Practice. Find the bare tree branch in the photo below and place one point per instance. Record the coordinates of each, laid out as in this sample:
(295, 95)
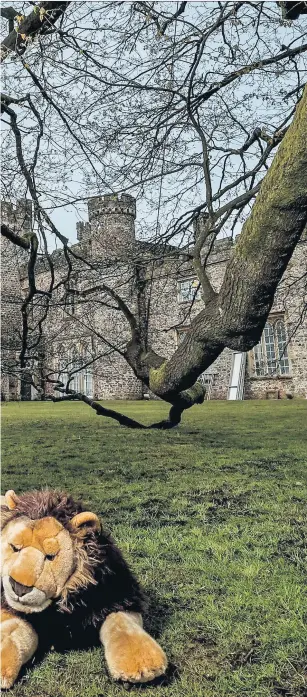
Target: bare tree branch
(18, 240)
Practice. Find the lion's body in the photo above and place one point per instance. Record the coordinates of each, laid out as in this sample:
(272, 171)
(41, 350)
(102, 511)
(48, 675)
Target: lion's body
(63, 580)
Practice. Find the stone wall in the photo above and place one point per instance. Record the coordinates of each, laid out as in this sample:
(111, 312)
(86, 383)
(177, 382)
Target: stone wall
(114, 379)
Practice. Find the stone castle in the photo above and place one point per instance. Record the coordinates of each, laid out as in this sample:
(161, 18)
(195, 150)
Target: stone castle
(84, 334)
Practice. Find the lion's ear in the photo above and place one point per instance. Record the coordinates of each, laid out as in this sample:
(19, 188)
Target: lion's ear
(10, 499)
(86, 520)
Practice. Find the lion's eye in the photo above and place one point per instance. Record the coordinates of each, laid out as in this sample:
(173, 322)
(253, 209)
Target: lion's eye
(50, 556)
(14, 548)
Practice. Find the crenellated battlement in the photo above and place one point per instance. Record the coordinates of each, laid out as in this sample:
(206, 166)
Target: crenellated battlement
(111, 204)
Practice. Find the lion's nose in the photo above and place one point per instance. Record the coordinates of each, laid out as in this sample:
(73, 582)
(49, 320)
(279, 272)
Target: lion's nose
(19, 588)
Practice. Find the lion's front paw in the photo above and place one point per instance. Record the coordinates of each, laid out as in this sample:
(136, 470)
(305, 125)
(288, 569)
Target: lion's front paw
(137, 659)
(18, 644)
(10, 664)
(131, 654)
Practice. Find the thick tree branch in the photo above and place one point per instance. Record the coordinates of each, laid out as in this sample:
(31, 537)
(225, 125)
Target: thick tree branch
(40, 20)
(9, 13)
(173, 419)
(19, 241)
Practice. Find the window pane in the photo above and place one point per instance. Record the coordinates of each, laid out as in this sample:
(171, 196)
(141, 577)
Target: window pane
(270, 348)
(271, 355)
(260, 365)
(281, 337)
(187, 290)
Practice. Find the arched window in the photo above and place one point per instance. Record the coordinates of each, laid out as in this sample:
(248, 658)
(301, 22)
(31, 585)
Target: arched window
(271, 354)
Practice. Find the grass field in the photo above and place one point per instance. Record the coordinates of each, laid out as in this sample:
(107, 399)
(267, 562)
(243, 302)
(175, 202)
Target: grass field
(211, 517)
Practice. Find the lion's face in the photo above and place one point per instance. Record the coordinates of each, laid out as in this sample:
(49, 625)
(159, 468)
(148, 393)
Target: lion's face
(40, 559)
(37, 560)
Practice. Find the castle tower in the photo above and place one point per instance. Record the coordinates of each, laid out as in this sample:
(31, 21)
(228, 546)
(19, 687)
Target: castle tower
(111, 226)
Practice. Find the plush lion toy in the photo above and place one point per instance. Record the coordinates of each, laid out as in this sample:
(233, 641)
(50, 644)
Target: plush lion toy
(64, 580)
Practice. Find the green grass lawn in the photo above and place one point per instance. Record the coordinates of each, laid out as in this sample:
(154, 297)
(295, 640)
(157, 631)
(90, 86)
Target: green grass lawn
(211, 517)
